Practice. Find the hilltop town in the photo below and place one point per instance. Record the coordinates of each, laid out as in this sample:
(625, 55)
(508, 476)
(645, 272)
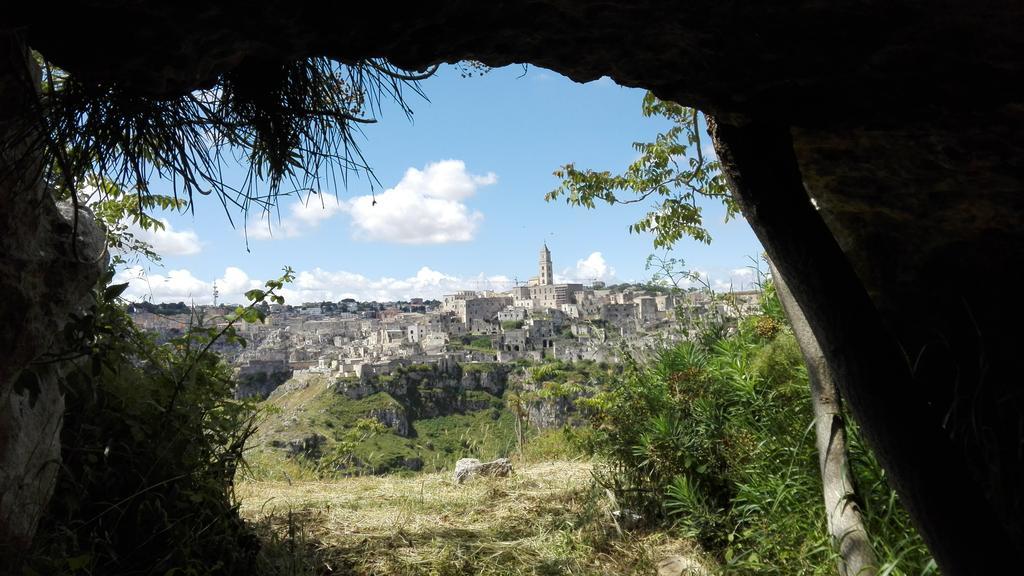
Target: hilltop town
(352, 340)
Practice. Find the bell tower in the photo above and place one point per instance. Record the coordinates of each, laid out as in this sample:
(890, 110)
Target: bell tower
(546, 277)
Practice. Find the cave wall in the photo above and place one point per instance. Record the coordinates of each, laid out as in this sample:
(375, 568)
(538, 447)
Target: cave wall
(43, 278)
(903, 121)
(929, 215)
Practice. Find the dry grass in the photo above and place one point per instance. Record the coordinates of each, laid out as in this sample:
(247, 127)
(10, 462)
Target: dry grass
(543, 520)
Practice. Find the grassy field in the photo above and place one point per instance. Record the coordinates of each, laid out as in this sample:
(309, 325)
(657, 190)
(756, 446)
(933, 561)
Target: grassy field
(545, 519)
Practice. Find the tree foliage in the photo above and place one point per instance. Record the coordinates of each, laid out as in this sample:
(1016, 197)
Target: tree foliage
(118, 209)
(673, 171)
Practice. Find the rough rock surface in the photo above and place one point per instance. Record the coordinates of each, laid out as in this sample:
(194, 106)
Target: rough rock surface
(260, 379)
(310, 446)
(30, 418)
(681, 566)
(467, 468)
(394, 417)
(799, 61)
(48, 264)
(430, 390)
(29, 460)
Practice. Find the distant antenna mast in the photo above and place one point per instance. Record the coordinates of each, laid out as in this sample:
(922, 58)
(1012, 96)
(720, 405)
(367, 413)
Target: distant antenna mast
(215, 293)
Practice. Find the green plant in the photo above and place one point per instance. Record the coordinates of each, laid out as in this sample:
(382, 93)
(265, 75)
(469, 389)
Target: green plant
(481, 342)
(674, 170)
(715, 443)
(343, 453)
(151, 442)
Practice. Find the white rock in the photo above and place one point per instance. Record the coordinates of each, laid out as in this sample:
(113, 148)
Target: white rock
(468, 467)
(680, 566)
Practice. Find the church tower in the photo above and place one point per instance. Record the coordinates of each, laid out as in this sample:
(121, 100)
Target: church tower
(546, 276)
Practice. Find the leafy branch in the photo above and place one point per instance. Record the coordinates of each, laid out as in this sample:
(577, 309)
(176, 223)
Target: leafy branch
(673, 170)
(252, 313)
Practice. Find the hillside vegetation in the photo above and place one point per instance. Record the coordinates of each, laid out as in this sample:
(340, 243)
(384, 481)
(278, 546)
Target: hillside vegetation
(710, 442)
(421, 417)
(309, 407)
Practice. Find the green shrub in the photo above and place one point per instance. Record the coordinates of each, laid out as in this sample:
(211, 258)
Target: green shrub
(780, 361)
(481, 342)
(416, 368)
(549, 445)
(660, 427)
(714, 440)
(471, 367)
(151, 441)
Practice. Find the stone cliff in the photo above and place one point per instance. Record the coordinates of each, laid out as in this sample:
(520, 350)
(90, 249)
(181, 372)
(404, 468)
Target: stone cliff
(423, 391)
(260, 378)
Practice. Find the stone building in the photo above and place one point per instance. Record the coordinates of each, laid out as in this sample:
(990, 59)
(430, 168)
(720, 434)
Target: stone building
(646, 309)
(621, 316)
(513, 314)
(514, 340)
(546, 277)
(467, 306)
(665, 302)
(542, 290)
(525, 303)
(554, 295)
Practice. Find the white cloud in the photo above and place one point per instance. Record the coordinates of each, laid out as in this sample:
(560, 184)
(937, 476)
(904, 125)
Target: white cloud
(587, 270)
(319, 284)
(722, 280)
(165, 242)
(183, 286)
(425, 207)
(168, 242)
(302, 216)
(309, 286)
(740, 279)
(718, 279)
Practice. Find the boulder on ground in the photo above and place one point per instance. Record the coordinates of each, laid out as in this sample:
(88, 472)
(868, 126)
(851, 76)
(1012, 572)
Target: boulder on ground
(466, 468)
(681, 566)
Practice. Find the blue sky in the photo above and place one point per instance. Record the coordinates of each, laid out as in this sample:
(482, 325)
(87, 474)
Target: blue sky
(460, 204)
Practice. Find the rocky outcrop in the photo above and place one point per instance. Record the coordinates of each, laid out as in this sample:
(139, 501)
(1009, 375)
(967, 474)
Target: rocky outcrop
(50, 258)
(29, 459)
(412, 463)
(490, 378)
(467, 468)
(548, 407)
(393, 417)
(258, 379)
(552, 412)
(447, 387)
(431, 390)
(309, 446)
